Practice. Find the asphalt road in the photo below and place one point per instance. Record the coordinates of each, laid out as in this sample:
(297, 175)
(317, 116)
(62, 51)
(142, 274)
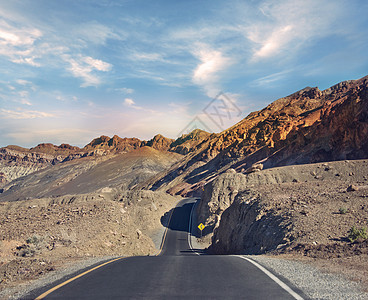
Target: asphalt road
(178, 272)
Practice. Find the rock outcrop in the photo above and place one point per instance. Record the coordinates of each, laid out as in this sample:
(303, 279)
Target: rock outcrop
(189, 142)
(308, 126)
(115, 144)
(159, 142)
(16, 161)
(285, 209)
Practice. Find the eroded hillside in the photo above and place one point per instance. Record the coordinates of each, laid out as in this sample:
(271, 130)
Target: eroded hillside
(302, 211)
(305, 127)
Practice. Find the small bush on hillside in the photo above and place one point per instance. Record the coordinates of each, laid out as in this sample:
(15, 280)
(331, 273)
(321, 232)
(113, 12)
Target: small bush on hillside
(342, 210)
(33, 245)
(356, 234)
(35, 240)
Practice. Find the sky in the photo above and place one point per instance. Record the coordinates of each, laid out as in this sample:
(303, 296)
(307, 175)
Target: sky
(71, 71)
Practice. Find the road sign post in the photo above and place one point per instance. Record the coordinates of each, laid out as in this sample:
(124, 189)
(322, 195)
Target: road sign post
(201, 227)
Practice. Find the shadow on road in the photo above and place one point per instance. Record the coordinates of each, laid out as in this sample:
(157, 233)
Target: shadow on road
(179, 218)
(191, 251)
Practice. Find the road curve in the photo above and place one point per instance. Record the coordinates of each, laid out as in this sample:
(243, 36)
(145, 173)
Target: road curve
(177, 273)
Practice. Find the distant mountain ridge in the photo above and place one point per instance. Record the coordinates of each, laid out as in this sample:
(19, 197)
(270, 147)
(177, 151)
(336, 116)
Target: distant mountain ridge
(305, 127)
(16, 161)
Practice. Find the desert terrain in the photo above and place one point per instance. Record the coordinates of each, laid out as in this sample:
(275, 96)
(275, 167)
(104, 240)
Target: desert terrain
(289, 181)
(80, 209)
(304, 212)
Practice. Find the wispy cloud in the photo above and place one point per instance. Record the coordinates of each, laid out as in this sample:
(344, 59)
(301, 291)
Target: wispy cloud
(124, 90)
(24, 114)
(17, 43)
(84, 66)
(206, 73)
(129, 102)
(96, 33)
(287, 25)
(270, 79)
(147, 56)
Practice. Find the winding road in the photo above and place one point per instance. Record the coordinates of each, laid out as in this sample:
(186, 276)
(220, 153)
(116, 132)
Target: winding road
(178, 272)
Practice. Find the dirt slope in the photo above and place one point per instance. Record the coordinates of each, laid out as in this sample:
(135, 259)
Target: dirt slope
(42, 235)
(89, 174)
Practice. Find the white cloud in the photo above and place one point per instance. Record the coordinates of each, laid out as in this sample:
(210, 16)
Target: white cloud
(17, 43)
(96, 33)
(270, 79)
(14, 36)
(97, 64)
(24, 114)
(289, 24)
(23, 82)
(25, 101)
(206, 73)
(83, 66)
(129, 102)
(124, 90)
(147, 56)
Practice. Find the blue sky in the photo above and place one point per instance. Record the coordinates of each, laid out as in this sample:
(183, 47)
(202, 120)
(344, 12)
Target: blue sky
(73, 70)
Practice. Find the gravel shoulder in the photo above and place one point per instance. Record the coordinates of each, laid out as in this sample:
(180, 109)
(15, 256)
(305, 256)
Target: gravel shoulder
(313, 281)
(66, 271)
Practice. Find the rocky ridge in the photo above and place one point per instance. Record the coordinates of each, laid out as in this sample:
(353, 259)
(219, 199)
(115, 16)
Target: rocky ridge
(16, 161)
(307, 213)
(306, 127)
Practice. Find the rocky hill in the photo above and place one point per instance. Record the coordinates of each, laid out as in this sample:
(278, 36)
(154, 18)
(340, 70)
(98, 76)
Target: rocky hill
(16, 161)
(188, 142)
(306, 127)
(89, 174)
(314, 212)
(159, 142)
(115, 144)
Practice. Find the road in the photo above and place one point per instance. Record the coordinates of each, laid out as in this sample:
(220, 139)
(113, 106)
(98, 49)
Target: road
(178, 272)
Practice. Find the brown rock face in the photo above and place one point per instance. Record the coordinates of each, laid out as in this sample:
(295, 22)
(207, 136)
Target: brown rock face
(159, 142)
(63, 149)
(114, 144)
(189, 142)
(307, 126)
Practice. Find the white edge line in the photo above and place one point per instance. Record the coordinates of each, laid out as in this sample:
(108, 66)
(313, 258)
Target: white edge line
(190, 229)
(273, 277)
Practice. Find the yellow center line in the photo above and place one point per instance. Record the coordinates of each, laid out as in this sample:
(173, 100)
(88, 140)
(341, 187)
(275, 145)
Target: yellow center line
(75, 277)
(99, 266)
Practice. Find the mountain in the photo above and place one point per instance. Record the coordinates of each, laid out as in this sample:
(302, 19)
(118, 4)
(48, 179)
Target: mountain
(188, 142)
(159, 142)
(306, 127)
(114, 144)
(16, 161)
(88, 174)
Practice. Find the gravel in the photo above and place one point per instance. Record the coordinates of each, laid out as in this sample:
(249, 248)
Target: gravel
(24, 289)
(314, 283)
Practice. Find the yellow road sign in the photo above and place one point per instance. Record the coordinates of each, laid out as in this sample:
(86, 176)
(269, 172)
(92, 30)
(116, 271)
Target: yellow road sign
(201, 227)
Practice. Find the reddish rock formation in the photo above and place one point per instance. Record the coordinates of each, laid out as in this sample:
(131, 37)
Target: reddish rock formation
(159, 142)
(188, 142)
(115, 144)
(307, 126)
